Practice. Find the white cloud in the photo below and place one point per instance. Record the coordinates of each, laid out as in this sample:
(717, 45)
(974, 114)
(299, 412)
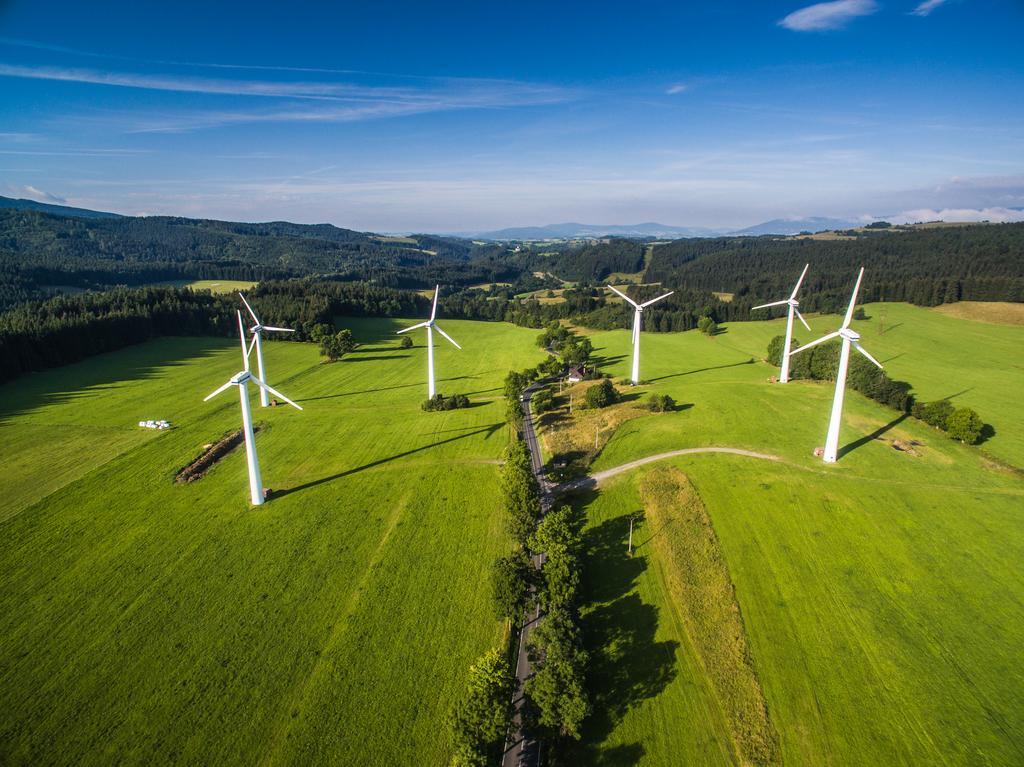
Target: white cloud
(40, 196)
(832, 15)
(927, 7)
(997, 215)
(675, 88)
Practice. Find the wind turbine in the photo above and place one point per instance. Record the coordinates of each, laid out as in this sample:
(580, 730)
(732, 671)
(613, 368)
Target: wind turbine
(257, 331)
(637, 315)
(792, 303)
(241, 380)
(431, 326)
(850, 338)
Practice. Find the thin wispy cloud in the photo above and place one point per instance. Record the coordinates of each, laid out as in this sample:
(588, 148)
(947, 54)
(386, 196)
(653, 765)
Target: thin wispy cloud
(927, 7)
(319, 101)
(832, 15)
(677, 88)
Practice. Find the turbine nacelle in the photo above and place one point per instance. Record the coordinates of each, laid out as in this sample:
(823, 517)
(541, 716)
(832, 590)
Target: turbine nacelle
(241, 377)
(850, 335)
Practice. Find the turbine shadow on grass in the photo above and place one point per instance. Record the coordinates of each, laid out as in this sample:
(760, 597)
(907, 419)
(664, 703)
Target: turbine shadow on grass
(489, 430)
(148, 360)
(704, 370)
(379, 389)
(872, 436)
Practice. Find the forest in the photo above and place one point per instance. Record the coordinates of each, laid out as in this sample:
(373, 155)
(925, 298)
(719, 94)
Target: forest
(926, 267)
(38, 250)
(311, 274)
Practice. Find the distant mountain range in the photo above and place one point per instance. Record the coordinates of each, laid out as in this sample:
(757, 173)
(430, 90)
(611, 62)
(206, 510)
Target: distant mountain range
(59, 210)
(782, 226)
(574, 231)
(795, 226)
(566, 231)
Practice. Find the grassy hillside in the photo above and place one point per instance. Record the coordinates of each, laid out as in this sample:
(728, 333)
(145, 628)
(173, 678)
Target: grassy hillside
(148, 622)
(143, 621)
(880, 595)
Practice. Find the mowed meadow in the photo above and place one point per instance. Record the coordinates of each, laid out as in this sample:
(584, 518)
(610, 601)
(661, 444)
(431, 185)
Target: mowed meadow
(148, 622)
(881, 596)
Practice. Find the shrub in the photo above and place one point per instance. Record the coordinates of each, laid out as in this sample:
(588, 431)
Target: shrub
(521, 492)
(661, 403)
(511, 577)
(481, 717)
(337, 345)
(441, 402)
(775, 348)
(860, 314)
(965, 425)
(406, 342)
(543, 401)
(707, 326)
(601, 394)
(937, 413)
(558, 688)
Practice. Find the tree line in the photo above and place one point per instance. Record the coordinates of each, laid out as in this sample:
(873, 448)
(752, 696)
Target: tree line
(821, 363)
(926, 267)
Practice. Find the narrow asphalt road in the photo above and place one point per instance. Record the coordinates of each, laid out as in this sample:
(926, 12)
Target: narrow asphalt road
(521, 750)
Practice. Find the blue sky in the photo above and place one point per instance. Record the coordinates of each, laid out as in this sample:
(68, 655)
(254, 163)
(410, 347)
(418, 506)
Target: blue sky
(468, 116)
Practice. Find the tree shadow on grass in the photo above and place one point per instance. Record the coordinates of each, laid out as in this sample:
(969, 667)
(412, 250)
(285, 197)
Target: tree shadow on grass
(872, 436)
(87, 378)
(627, 664)
(704, 370)
(488, 430)
(376, 358)
(380, 389)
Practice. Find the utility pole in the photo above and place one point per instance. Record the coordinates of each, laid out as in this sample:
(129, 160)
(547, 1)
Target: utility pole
(631, 535)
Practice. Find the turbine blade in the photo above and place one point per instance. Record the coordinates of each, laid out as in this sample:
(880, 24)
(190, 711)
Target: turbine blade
(765, 306)
(438, 329)
(616, 290)
(798, 282)
(275, 392)
(860, 348)
(278, 330)
(222, 388)
(655, 300)
(801, 318)
(853, 300)
(637, 319)
(254, 317)
(414, 327)
(433, 309)
(821, 340)
(251, 345)
(241, 337)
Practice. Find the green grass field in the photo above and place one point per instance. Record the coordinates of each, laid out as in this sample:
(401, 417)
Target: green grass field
(147, 622)
(881, 595)
(214, 286)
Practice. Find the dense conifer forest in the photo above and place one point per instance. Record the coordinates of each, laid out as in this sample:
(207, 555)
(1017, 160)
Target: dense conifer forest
(309, 275)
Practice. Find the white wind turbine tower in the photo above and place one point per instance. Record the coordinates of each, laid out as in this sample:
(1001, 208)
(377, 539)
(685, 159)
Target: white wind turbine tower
(431, 326)
(850, 338)
(257, 332)
(637, 315)
(241, 380)
(792, 303)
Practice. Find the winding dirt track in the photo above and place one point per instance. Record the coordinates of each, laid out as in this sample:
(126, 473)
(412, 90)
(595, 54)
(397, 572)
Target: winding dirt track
(597, 477)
